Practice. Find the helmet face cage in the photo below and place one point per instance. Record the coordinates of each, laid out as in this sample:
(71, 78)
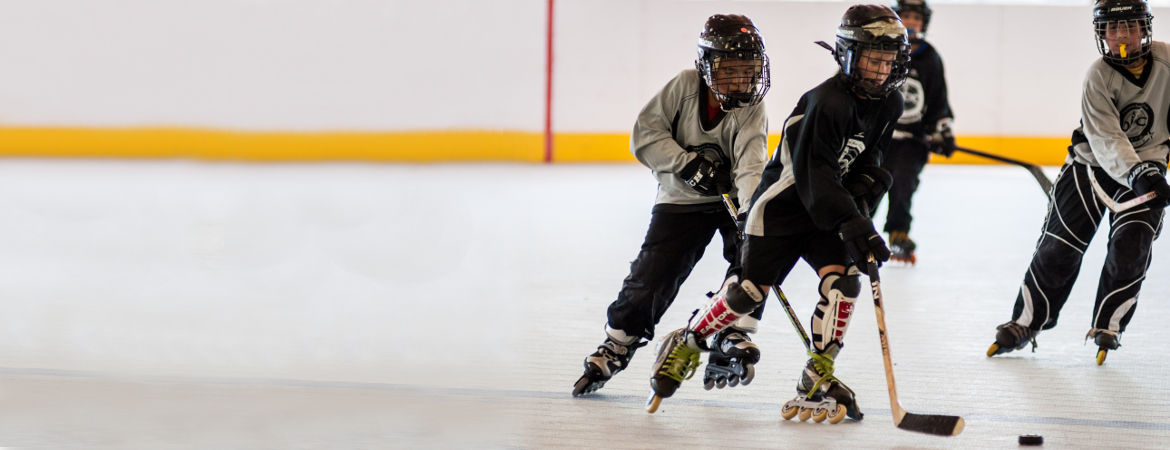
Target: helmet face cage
(1119, 20)
(743, 80)
(732, 62)
(884, 34)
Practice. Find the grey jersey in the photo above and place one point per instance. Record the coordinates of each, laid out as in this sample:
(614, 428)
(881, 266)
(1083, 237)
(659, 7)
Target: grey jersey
(1124, 118)
(670, 123)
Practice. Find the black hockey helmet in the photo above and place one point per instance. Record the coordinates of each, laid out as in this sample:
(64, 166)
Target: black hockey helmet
(1125, 15)
(872, 27)
(918, 6)
(733, 37)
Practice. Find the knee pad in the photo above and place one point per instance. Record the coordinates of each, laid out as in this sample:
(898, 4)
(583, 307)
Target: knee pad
(833, 311)
(744, 297)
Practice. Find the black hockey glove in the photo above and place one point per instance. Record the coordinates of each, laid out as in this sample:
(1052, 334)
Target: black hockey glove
(867, 185)
(1146, 177)
(708, 173)
(862, 239)
(943, 140)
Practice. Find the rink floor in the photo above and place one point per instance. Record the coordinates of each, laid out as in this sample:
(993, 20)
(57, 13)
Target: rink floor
(177, 304)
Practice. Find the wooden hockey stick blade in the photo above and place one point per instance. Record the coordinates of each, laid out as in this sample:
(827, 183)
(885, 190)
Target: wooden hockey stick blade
(1033, 169)
(939, 425)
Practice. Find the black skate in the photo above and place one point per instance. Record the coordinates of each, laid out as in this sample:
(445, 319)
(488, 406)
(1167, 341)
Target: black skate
(733, 360)
(902, 248)
(678, 357)
(1106, 340)
(1011, 336)
(820, 395)
(609, 359)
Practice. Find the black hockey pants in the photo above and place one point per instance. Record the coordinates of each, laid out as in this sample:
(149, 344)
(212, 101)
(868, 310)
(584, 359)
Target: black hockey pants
(905, 160)
(1074, 213)
(674, 243)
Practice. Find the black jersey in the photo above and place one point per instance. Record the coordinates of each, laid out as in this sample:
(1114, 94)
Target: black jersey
(925, 95)
(830, 132)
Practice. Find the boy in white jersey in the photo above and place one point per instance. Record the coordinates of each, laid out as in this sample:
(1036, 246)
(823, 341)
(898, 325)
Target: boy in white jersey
(703, 135)
(1118, 153)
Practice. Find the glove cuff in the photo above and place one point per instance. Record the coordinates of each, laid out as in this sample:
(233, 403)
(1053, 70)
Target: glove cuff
(1142, 169)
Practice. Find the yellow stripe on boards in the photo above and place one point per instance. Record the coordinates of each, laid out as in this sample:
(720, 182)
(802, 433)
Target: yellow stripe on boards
(1046, 151)
(438, 146)
(412, 146)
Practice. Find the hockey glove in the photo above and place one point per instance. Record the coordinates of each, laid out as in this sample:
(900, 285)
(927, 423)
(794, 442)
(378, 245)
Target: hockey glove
(1146, 177)
(867, 185)
(707, 173)
(861, 240)
(943, 139)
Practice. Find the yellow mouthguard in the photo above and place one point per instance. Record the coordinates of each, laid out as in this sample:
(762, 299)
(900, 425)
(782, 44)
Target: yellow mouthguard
(1122, 50)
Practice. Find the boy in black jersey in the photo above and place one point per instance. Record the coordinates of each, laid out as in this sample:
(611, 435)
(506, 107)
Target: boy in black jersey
(703, 135)
(813, 203)
(925, 127)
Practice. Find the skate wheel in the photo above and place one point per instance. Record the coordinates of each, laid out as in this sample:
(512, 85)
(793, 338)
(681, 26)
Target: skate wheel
(580, 388)
(788, 411)
(733, 381)
(991, 351)
(1101, 356)
(653, 403)
(804, 414)
(820, 415)
(749, 372)
(839, 415)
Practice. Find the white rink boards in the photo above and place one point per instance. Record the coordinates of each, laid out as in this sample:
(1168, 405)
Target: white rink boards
(146, 304)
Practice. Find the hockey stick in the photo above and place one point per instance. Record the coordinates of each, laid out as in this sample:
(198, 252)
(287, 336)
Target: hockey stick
(1113, 205)
(1038, 174)
(940, 425)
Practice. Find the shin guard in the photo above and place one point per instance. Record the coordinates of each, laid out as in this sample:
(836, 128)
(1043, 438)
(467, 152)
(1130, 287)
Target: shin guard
(831, 318)
(736, 299)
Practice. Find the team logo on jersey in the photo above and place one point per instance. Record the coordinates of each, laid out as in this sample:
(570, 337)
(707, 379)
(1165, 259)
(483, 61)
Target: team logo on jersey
(1136, 121)
(914, 101)
(853, 147)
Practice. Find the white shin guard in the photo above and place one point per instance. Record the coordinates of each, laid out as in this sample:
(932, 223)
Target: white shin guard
(734, 301)
(831, 318)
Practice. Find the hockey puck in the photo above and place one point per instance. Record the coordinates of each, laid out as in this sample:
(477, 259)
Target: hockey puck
(1031, 439)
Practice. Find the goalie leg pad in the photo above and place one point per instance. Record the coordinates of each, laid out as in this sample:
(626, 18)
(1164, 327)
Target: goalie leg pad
(833, 311)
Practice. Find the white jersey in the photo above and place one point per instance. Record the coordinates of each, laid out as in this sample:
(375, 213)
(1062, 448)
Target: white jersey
(1124, 118)
(671, 122)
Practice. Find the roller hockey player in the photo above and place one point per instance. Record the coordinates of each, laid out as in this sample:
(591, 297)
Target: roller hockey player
(704, 134)
(813, 203)
(1118, 153)
(925, 127)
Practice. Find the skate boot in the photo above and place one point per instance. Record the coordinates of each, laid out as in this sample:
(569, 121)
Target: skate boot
(820, 395)
(610, 358)
(733, 360)
(1106, 340)
(902, 248)
(1012, 336)
(678, 357)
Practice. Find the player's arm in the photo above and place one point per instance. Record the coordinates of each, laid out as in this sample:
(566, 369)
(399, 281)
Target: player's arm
(750, 153)
(816, 170)
(867, 181)
(939, 116)
(1102, 127)
(651, 141)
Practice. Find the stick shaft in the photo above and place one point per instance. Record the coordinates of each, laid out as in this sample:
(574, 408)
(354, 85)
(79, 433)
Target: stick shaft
(876, 287)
